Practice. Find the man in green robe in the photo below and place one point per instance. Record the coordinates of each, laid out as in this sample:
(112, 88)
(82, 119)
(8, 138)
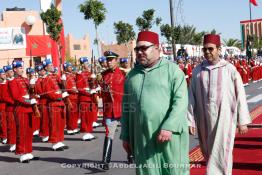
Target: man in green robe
(154, 124)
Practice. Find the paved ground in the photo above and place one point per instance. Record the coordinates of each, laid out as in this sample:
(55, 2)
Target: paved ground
(82, 157)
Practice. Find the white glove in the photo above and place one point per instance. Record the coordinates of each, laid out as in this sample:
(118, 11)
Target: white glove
(65, 94)
(63, 77)
(93, 76)
(87, 89)
(58, 92)
(33, 101)
(26, 96)
(93, 91)
(32, 81)
(98, 88)
(186, 76)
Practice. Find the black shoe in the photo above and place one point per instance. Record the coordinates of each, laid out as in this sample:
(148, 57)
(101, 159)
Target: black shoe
(58, 149)
(90, 139)
(25, 161)
(66, 147)
(130, 159)
(107, 150)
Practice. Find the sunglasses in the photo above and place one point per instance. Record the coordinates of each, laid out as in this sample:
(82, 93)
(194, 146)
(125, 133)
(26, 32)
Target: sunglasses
(210, 49)
(142, 48)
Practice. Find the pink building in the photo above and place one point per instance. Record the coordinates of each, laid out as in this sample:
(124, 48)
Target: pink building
(76, 48)
(17, 19)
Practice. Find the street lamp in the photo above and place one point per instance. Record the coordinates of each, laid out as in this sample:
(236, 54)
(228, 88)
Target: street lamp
(30, 20)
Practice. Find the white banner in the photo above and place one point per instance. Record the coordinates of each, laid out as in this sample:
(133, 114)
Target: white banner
(12, 38)
(45, 5)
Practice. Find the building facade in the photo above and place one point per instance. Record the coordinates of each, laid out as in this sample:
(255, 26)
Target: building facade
(17, 19)
(76, 48)
(250, 28)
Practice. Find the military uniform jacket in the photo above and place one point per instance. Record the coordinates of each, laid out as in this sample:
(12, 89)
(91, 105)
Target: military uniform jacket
(52, 90)
(19, 89)
(112, 92)
(83, 86)
(71, 86)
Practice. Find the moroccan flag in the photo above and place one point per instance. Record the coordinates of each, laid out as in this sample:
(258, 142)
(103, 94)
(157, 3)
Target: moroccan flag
(254, 2)
(38, 45)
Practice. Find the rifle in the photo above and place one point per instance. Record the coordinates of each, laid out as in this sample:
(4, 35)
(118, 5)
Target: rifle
(63, 82)
(32, 93)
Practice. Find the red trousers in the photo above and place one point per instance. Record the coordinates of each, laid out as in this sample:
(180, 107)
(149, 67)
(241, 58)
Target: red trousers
(72, 116)
(56, 124)
(24, 133)
(11, 128)
(44, 120)
(94, 112)
(35, 123)
(3, 124)
(86, 114)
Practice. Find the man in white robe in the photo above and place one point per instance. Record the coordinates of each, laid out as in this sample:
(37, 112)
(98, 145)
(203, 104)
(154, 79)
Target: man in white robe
(217, 106)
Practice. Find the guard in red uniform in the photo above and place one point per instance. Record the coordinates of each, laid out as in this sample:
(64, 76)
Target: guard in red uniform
(85, 100)
(188, 70)
(10, 119)
(23, 111)
(44, 119)
(3, 123)
(71, 114)
(30, 72)
(56, 107)
(112, 92)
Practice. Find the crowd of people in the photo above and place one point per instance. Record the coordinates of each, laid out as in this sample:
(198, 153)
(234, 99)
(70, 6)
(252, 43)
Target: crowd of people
(249, 70)
(158, 102)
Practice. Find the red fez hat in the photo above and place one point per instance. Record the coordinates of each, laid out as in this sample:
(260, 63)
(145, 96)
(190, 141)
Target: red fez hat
(211, 38)
(148, 36)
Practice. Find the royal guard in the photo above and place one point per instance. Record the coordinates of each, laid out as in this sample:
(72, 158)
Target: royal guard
(10, 119)
(238, 66)
(124, 65)
(56, 107)
(42, 103)
(102, 62)
(112, 92)
(188, 70)
(85, 100)
(70, 84)
(23, 113)
(30, 72)
(245, 70)
(3, 122)
(254, 68)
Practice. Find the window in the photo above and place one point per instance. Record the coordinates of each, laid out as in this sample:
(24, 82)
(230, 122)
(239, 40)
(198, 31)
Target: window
(77, 47)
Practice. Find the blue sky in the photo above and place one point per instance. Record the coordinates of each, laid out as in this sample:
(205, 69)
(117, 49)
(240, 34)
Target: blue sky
(222, 15)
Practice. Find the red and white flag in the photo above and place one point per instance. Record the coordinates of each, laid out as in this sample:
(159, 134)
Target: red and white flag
(254, 2)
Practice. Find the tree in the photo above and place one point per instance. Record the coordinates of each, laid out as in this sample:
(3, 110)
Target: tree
(232, 43)
(147, 20)
(94, 10)
(198, 38)
(170, 32)
(52, 20)
(214, 32)
(54, 26)
(124, 32)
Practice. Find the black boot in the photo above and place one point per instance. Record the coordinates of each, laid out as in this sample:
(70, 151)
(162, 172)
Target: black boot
(107, 150)
(130, 159)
